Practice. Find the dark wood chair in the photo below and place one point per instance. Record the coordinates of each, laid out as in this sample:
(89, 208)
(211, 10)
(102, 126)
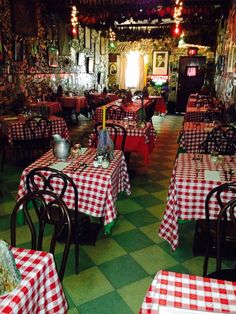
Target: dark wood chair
(37, 137)
(217, 236)
(40, 179)
(150, 110)
(43, 208)
(115, 112)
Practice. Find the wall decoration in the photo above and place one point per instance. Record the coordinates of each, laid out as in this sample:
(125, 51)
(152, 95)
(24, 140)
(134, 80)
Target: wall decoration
(97, 52)
(18, 50)
(53, 57)
(103, 42)
(80, 58)
(160, 62)
(90, 65)
(87, 38)
(1, 49)
(23, 17)
(112, 69)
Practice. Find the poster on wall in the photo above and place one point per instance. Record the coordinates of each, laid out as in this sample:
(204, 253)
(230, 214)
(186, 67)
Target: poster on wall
(160, 62)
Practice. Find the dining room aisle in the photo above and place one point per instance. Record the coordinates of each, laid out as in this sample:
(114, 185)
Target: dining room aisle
(117, 271)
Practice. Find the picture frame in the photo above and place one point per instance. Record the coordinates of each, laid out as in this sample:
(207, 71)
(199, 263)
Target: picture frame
(1, 49)
(53, 57)
(103, 45)
(18, 50)
(24, 17)
(160, 62)
(112, 69)
(87, 38)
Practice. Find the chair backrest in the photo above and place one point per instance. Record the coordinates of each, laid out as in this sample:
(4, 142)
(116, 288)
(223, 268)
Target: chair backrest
(117, 132)
(37, 128)
(212, 115)
(46, 178)
(221, 139)
(150, 109)
(108, 99)
(115, 112)
(49, 210)
(216, 199)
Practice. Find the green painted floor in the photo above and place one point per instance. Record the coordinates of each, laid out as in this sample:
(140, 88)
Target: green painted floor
(115, 274)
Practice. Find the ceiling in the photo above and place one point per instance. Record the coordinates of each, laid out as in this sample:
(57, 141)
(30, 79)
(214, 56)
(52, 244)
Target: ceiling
(131, 20)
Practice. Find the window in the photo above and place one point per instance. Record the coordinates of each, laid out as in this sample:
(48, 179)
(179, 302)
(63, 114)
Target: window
(132, 70)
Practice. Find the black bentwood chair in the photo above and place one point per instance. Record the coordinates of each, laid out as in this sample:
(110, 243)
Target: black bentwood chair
(48, 209)
(45, 178)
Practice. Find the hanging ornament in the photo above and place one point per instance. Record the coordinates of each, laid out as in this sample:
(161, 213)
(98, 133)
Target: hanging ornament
(74, 22)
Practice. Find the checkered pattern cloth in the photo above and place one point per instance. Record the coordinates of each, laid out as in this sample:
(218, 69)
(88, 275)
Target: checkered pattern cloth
(40, 290)
(77, 102)
(188, 190)
(100, 96)
(160, 103)
(14, 128)
(53, 106)
(189, 292)
(131, 110)
(194, 114)
(97, 187)
(193, 134)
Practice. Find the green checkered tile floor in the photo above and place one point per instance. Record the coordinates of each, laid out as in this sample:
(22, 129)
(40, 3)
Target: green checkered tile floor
(116, 273)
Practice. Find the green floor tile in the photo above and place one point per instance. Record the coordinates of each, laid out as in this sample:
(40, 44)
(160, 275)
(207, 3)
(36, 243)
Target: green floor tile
(147, 200)
(127, 206)
(151, 231)
(107, 304)
(133, 240)
(122, 271)
(122, 225)
(141, 218)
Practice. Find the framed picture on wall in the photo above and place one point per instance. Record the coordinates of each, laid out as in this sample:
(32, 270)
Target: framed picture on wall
(87, 38)
(160, 62)
(18, 50)
(24, 17)
(53, 55)
(112, 69)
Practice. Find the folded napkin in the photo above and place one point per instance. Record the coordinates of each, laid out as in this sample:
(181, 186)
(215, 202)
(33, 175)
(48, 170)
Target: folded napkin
(10, 118)
(60, 165)
(212, 175)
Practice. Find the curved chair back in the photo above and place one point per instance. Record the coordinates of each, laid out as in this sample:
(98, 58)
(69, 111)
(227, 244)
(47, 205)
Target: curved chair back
(115, 112)
(50, 210)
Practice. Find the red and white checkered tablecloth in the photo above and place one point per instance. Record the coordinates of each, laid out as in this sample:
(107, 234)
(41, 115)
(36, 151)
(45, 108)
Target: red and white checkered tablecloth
(189, 292)
(160, 103)
(101, 96)
(40, 290)
(131, 109)
(53, 106)
(193, 134)
(194, 114)
(14, 128)
(139, 140)
(188, 190)
(78, 102)
(97, 187)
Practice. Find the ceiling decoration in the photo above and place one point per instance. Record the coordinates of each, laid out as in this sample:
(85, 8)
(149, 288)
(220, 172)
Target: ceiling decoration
(146, 18)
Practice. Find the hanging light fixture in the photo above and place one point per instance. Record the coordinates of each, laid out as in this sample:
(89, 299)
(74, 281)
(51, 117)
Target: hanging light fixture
(74, 21)
(112, 37)
(177, 16)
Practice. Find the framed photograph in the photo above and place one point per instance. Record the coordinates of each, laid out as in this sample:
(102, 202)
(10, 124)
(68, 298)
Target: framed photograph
(53, 57)
(18, 50)
(87, 38)
(24, 17)
(103, 42)
(160, 62)
(1, 49)
(112, 69)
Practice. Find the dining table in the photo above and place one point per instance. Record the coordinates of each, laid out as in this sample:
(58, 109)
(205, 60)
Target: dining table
(53, 107)
(194, 98)
(160, 104)
(193, 177)
(130, 108)
(40, 290)
(97, 96)
(138, 139)
(76, 102)
(98, 188)
(193, 134)
(12, 126)
(184, 293)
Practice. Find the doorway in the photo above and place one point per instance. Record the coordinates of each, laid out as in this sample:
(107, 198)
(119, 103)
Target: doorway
(191, 79)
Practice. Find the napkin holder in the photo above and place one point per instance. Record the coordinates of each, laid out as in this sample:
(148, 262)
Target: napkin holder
(10, 276)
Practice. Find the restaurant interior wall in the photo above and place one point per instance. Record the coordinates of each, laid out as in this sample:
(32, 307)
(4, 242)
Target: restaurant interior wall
(30, 71)
(225, 78)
